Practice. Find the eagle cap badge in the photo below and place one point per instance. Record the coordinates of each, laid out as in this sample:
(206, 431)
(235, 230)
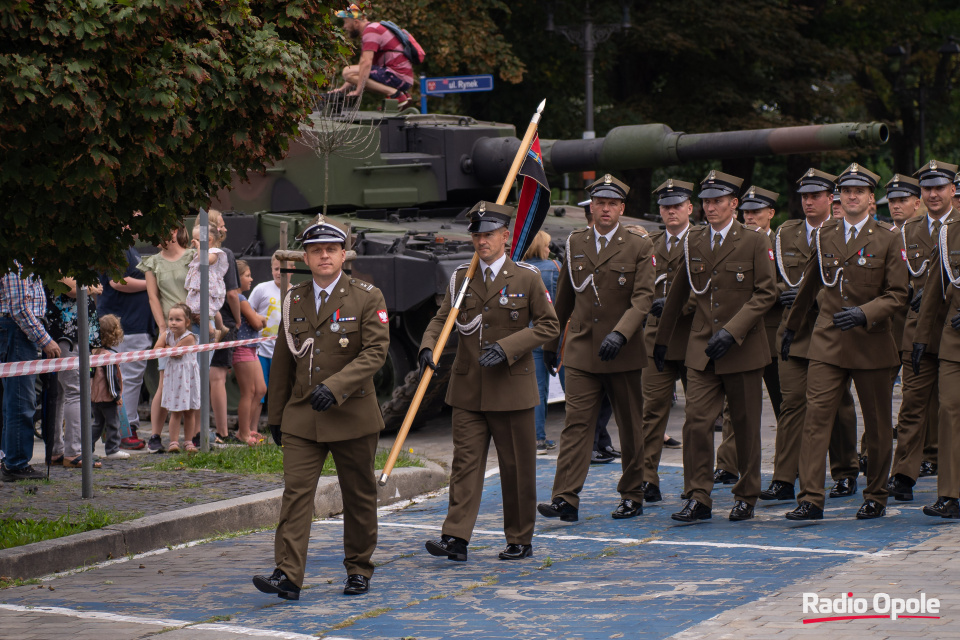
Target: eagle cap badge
(607, 179)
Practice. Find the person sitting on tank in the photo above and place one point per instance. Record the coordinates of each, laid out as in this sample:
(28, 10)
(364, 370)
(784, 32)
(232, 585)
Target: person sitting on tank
(383, 67)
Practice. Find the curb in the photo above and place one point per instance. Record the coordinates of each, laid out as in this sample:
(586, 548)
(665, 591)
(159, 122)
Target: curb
(194, 523)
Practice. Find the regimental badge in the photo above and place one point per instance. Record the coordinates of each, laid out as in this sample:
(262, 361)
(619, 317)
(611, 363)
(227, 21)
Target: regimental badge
(514, 315)
(903, 255)
(670, 183)
(483, 209)
(296, 299)
(607, 179)
(622, 280)
(579, 267)
(653, 259)
(933, 165)
(896, 179)
(770, 254)
(344, 341)
(712, 175)
(383, 317)
(752, 191)
(810, 173)
(739, 277)
(854, 167)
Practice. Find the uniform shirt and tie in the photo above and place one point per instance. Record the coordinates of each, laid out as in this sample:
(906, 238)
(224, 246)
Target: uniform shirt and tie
(673, 241)
(603, 240)
(851, 231)
(322, 294)
(491, 271)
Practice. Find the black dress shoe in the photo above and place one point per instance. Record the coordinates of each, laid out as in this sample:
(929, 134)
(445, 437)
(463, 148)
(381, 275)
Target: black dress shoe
(778, 490)
(871, 509)
(609, 450)
(516, 551)
(277, 583)
(559, 508)
(693, 511)
(863, 465)
(651, 492)
(843, 488)
(805, 511)
(944, 507)
(627, 509)
(450, 546)
(741, 511)
(356, 584)
(724, 477)
(601, 457)
(928, 469)
(900, 487)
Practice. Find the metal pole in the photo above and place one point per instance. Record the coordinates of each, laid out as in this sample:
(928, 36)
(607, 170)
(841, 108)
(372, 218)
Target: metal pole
(423, 93)
(284, 277)
(86, 435)
(589, 50)
(204, 356)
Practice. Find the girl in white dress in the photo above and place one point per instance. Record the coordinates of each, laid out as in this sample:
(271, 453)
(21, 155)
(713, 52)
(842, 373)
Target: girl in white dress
(181, 389)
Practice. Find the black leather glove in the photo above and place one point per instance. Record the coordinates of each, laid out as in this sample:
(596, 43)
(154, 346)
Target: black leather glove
(785, 344)
(849, 318)
(426, 360)
(787, 298)
(719, 344)
(492, 356)
(656, 309)
(918, 350)
(275, 432)
(955, 321)
(611, 346)
(321, 398)
(915, 303)
(550, 360)
(659, 356)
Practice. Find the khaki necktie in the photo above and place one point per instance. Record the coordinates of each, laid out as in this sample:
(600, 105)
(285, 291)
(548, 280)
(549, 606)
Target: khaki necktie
(323, 299)
(603, 244)
(671, 243)
(487, 275)
(717, 241)
(853, 235)
(936, 229)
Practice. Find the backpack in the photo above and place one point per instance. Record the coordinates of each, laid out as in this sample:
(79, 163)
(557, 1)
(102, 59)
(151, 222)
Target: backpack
(411, 48)
(106, 384)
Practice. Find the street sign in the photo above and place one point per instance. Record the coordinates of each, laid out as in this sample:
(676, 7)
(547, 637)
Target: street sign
(457, 84)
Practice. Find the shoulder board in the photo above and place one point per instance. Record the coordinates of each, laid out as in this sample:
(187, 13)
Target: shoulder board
(462, 266)
(301, 285)
(580, 230)
(886, 225)
(656, 235)
(793, 222)
(750, 227)
(698, 229)
(528, 266)
(638, 231)
(832, 222)
(360, 284)
(914, 220)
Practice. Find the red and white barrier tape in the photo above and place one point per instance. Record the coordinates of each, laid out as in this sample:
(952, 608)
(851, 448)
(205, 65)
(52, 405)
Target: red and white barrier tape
(30, 367)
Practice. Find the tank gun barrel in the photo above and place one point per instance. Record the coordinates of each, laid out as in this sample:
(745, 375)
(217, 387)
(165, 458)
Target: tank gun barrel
(648, 146)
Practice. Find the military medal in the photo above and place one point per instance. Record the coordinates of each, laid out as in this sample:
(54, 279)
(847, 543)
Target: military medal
(739, 277)
(503, 296)
(622, 280)
(862, 261)
(334, 325)
(514, 315)
(344, 341)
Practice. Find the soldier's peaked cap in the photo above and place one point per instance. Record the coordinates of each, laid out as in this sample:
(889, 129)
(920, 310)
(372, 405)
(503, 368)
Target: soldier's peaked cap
(902, 187)
(858, 176)
(673, 192)
(488, 216)
(757, 198)
(718, 184)
(936, 174)
(608, 187)
(323, 231)
(815, 180)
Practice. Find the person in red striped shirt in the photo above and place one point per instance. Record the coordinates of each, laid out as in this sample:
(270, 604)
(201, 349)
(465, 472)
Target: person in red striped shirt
(383, 67)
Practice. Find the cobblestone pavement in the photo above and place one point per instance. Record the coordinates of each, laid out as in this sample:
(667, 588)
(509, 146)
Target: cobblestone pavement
(648, 577)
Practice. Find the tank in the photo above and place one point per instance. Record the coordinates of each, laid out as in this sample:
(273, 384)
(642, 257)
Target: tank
(406, 200)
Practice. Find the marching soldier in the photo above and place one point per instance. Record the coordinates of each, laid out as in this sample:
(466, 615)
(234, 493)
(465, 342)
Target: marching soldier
(939, 320)
(605, 291)
(729, 269)
(793, 244)
(335, 338)
(673, 198)
(758, 207)
(920, 398)
(856, 268)
(505, 315)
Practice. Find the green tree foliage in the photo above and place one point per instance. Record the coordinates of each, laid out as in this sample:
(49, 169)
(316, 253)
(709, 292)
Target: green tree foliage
(107, 107)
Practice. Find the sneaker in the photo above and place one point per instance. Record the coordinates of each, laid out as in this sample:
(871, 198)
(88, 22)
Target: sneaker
(17, 475)
(133, 443)
(545, 445)
(672, 443)
(117, 455)
(403, 101)
(154, 444)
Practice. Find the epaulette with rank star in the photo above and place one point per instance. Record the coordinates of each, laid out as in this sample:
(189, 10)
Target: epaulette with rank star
(787, 224)
(580, 230)
(886, 225)
(832, 222)
(360, 284)
(637, 231)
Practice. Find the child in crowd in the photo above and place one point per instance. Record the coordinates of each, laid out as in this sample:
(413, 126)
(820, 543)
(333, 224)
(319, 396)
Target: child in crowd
(181, 389)
(106, 390)
(246, 365)
(217, 289)
(266, 301)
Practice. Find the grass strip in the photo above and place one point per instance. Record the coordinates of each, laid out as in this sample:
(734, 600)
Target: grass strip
(15, 532)
(265, 458)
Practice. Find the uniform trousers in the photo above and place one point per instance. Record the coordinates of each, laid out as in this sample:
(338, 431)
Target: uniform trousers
(727, 451)
(948, 470)
(515, 439)
(843, 439)
(585, 392)
(658, 389)
(705, 393)
(825, 385)
(302, 463)
(920, 402)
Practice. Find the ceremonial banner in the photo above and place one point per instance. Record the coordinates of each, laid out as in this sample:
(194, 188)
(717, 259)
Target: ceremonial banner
(534, 202)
